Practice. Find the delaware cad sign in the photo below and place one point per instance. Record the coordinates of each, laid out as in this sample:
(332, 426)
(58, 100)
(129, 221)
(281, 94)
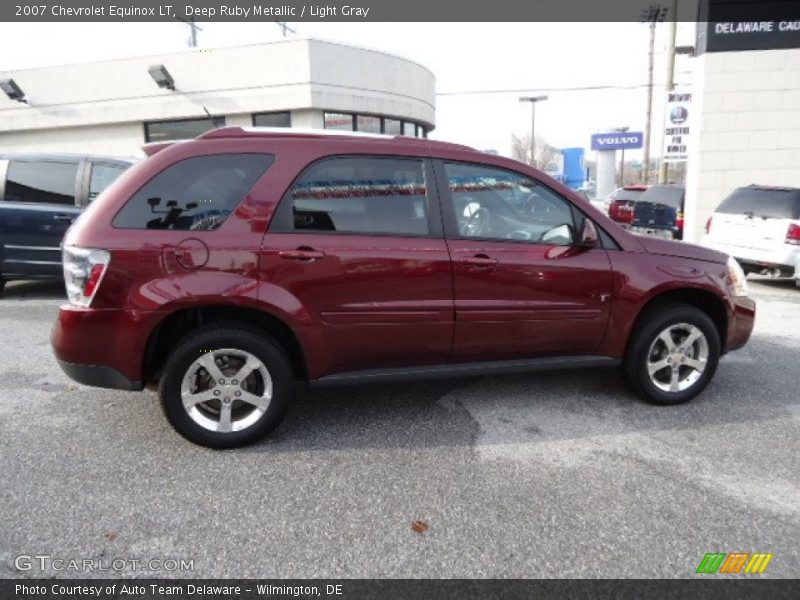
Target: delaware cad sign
(630, 140)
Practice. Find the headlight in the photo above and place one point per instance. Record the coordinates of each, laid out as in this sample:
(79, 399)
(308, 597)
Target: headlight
(737, 280)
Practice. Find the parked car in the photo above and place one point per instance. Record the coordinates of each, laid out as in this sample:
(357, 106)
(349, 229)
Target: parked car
(40, 196)
(225, 269)
(760, 226)
(622, 201)
(659, 212)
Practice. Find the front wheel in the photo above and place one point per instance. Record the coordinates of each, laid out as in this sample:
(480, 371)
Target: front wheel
(673, 354)
(226, 387)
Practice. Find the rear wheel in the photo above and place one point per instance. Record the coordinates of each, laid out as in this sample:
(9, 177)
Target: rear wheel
(673, 354)
(226, 387)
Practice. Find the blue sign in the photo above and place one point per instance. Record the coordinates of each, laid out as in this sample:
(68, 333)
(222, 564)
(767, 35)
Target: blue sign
(630, 140)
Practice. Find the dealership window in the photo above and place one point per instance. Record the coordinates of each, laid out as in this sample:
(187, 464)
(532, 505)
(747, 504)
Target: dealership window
(102, 176)
(392, 126)
(368, 123)
(339, 121)
(184, 129)
(195, 194)
(41, 182)
(273, 119)
(361, 195)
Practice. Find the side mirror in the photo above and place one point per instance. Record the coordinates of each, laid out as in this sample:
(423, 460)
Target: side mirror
(153, 202)
(589, 235)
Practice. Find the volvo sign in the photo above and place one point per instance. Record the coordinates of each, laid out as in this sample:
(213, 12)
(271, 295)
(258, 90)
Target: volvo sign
(630, 140)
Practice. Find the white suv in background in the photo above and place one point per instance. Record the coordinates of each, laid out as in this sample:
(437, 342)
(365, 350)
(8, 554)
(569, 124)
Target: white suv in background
(760, 227)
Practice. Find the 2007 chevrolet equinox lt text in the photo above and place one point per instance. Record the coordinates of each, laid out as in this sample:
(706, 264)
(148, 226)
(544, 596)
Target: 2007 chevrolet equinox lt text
(229, 268)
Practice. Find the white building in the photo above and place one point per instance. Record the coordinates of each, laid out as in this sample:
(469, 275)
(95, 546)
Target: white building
(747, 94)
(115, 106)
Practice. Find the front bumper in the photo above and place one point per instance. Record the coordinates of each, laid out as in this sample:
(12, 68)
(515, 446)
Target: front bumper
(740, 323)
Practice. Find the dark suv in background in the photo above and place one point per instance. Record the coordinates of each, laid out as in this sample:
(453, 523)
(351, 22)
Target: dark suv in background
(40, 196)
(225, 269)
(659, 212)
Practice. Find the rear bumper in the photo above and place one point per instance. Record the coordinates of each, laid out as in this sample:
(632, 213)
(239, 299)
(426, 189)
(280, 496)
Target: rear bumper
(102, 347)
(785, 257)
(99, 376)
(740, 324)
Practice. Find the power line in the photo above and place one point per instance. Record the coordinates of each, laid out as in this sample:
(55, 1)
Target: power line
(586, 88)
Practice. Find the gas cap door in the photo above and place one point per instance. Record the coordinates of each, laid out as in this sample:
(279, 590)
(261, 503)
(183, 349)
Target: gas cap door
(191, 254)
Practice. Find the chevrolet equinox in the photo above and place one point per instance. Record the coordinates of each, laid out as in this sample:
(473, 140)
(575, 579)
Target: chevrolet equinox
(227, 269)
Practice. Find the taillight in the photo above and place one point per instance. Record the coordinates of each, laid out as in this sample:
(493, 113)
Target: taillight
(83, 271)
(793, 235)
(679, 220)
(708, 225)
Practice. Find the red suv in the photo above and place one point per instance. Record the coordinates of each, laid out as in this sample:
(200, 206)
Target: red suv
(227, 269)
(622, 203)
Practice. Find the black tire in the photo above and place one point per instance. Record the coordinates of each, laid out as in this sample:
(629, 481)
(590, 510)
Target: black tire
(652, 323)
(184, 355)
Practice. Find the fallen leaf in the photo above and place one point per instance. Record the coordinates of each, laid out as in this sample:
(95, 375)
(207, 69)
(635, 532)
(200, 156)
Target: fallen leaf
(110, 536)
(419, 526)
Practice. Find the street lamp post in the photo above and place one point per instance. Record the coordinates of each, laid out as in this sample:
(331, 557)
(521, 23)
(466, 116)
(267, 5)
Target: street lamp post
(622, 159)
(533, 100)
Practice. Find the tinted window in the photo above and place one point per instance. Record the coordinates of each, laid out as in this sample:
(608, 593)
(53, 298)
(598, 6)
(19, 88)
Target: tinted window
(275, 119)
(41, 182)
(497, 204)
(664, 194)
(778, 204)
(362, 195)
(102, 177)
(195, 194)
(185, 129)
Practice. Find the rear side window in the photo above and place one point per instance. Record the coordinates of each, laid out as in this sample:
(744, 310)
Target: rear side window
(196, 194)
(776, 204)
(103, 176)
(41, 182)
(361, 195)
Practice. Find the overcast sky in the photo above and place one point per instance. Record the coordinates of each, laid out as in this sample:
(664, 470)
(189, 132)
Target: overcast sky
(465, 57)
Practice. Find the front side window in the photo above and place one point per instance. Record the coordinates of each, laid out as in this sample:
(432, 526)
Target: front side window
(184, 129)
(493, 203)
(361, 195)
(103, 176)
(196, 194)
(41, 182)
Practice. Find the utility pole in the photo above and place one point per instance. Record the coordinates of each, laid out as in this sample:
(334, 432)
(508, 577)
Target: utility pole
(533, 100)
(652, 15)
(663, 170)
(649, 118)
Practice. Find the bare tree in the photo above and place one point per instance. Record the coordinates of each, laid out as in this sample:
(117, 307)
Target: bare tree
(546, 154)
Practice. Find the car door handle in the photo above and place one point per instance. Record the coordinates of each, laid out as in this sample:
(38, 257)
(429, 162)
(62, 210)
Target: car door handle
(301, 254)
(479, 260)
(69, 218)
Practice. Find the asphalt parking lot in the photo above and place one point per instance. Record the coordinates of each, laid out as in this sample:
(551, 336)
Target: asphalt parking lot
(561, 474)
